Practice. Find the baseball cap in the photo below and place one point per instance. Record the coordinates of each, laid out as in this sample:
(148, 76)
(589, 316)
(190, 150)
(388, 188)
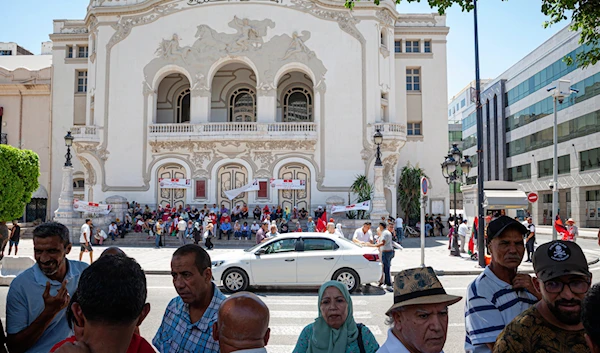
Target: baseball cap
(559, 258)
(500, 224)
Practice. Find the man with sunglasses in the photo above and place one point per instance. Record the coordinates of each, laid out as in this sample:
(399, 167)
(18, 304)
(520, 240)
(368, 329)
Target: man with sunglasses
(554, 324)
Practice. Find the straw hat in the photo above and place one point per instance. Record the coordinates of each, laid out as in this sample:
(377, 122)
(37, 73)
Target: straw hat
(419, 286)
(570, 220)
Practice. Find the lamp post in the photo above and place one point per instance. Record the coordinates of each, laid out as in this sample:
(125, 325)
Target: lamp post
(379, 209)
(68, 142)
(560, 90)
(453, 169)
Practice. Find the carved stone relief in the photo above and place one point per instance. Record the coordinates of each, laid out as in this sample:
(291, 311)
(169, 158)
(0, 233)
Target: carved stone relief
(385, 17)
(389, 170)
(248, 41)
(90, 174)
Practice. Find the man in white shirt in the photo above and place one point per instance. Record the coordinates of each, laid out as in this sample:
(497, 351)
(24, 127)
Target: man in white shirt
(387, 252)
(85, 240)
(419, 316)
(463, 230)
(399, 229)
(363, 235)
(113, 230)
(181, 226)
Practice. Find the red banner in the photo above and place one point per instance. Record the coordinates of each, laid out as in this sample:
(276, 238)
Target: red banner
(562, 231)
(322, 223)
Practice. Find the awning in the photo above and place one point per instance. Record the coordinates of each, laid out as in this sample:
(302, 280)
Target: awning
(40, 193)
(504, 199)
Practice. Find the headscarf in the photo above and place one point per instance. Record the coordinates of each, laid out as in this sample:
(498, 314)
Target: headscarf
(327, 339)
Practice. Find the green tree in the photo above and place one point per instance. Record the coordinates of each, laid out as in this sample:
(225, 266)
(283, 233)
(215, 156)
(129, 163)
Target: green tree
(19, 172)
(585, 17)
(409, 191)
(363, 190)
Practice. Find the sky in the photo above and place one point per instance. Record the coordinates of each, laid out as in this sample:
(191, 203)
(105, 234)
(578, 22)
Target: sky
(508, 30)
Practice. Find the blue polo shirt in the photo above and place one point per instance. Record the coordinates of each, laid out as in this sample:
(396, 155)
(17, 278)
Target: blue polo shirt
(24, 303)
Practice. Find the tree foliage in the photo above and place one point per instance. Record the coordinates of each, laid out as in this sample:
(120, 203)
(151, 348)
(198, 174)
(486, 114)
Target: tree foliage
(363, 190)
(19, 172)
(409, 191)
(585, 17)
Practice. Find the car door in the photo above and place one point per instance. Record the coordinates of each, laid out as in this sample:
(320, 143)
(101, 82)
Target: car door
(317, 260)
(278, 263)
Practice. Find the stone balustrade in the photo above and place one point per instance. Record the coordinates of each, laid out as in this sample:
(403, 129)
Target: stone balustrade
(390, 130)
(233, 130)
(86, 133)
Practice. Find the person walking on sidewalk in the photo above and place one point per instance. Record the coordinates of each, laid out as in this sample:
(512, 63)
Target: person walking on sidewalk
(208, 235)
(463, 231)
(498, 294)
(14, 237)
(181, 227)
(387, 252)
(85, 240)
(399, 229)
(530, 240)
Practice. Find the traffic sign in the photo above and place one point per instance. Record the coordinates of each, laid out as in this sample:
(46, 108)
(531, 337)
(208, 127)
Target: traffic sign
(532, 197)
(424, 186)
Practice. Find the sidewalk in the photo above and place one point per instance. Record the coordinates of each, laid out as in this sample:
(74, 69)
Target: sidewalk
(437, 255)
(584, 233)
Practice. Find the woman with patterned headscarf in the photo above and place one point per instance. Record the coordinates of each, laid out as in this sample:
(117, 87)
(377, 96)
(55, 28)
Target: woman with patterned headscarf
(335, 330)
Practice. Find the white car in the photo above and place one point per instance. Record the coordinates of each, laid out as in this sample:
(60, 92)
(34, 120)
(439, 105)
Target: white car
(298, 259)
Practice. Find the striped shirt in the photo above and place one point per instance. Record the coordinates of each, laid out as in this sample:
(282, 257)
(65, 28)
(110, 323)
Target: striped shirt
(177, 334)
(491, 304)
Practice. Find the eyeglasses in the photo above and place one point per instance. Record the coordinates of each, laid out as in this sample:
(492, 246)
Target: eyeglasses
(577, 286)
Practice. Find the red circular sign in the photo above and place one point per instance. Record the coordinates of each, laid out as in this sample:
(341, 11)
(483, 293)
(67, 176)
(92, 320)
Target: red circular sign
(532, 197)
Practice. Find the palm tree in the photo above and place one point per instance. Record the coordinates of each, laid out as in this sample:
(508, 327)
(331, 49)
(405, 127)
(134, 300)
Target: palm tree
(409, 191)
(363, 190)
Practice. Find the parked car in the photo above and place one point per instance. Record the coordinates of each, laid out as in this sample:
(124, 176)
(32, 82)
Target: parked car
(297, 259)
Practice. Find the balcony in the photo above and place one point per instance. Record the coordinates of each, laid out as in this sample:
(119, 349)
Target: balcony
(86, 133)
(3, 139)
(233, 131)
(390, 131)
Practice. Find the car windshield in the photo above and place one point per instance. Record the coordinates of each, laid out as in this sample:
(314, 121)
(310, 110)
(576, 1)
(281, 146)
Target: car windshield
(255, 247)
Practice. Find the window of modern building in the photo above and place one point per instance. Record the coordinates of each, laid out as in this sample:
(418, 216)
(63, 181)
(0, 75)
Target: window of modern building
(462, 103)
(588, 88)
(201, 189)
(545, 167)
(589, 159)
(455, 136)
(69, 51)
(412, 46)
(397, 46)
(5, 52)
(449, 112)
(521, 172)
(82, 51)
(82, 81)
(547, 198)
(470, 120)
(584, 125)
(544, 77)
(469, 141)
(413, 129)
(413, 79)
(427, 46)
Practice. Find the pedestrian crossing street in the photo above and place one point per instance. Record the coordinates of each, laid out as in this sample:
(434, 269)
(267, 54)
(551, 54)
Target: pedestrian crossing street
(290, 316)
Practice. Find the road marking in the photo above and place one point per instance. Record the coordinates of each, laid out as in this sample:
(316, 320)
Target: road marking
(312, 314)
(296, 330)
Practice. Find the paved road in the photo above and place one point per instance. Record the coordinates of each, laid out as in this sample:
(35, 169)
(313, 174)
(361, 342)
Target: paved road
(292, 309)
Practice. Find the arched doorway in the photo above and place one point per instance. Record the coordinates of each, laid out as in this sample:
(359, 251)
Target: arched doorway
(231, 176)
(173, 100)
(173, 197)
(299, 198)
(233, 94)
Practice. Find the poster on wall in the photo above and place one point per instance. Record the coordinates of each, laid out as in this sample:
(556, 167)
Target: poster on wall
(437, 207)
(175, 183)
(288, 184)
(90, 207)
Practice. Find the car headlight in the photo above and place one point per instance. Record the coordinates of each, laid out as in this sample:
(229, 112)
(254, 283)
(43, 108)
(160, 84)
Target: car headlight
(217, 263)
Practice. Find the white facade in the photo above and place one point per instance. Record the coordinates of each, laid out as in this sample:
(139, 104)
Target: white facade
(226, 92)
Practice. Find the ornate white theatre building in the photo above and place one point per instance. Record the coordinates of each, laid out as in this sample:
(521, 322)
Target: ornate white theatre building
(225, 92)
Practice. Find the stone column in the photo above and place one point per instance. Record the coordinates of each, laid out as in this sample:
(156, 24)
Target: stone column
(379, 205)
(65, 213)
(200, 106)
(266, 105)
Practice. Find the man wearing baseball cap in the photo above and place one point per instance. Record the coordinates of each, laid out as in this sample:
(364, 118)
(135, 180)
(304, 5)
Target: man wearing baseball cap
(499, 294)
(419, 316)
(554, 323)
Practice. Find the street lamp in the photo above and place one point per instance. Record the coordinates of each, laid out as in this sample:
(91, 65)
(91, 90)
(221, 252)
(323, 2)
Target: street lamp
(68, 142)
(560, 90)
(378, 139)
(453, 169)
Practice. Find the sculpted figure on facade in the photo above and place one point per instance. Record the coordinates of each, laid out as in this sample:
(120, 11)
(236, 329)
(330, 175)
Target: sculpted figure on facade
(297, 45)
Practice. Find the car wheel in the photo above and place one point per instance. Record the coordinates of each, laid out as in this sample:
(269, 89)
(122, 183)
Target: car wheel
(348, 277)
(235, 280)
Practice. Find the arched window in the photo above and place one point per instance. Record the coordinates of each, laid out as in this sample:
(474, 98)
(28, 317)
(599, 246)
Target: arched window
(183, 107)
(382, 38)
(242, 105)
(78, 184)
(297, 105)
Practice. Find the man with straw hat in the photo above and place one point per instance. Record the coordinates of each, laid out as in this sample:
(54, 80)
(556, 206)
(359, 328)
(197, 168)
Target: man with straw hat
(419, 316)
(572, 229)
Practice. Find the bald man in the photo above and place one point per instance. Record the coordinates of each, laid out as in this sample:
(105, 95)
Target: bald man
(243, 324)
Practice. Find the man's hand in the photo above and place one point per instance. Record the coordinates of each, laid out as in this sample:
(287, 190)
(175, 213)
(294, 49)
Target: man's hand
(525, 281)
(77, 347)
(60, 301)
